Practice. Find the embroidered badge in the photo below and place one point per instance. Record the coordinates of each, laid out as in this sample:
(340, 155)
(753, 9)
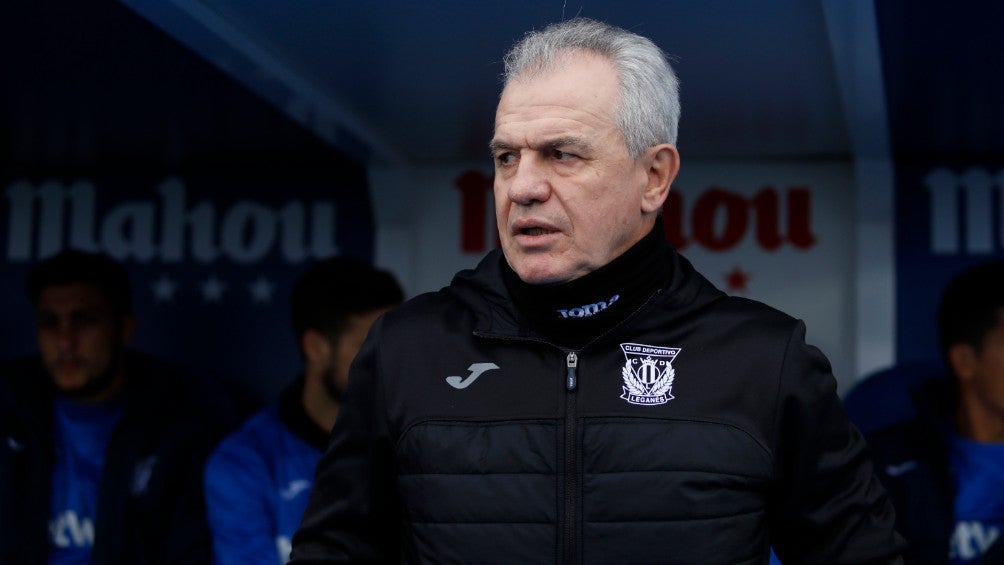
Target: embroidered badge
(648, 373)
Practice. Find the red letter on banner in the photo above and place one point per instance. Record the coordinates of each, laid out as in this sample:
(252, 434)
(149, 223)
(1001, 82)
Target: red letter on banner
(473, 187)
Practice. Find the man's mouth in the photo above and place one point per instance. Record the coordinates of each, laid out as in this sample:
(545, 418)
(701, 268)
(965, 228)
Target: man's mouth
(535, 231)
(68, 364)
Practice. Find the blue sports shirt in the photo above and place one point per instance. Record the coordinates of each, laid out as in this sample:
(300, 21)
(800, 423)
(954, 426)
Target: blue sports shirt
(978, 472)
(258, 480)
(81, 434)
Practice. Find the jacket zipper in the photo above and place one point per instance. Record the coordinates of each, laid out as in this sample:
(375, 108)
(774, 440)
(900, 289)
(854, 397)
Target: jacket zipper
(570, 530)
(571, 379)
(571, 459)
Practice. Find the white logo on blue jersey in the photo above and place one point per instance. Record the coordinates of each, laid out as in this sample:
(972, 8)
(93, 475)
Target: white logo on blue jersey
(284, 546)
(70, 530)
(971, 539)
(141, 474)
(294, 488)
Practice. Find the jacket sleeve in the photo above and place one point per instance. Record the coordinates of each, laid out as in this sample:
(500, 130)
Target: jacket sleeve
(828, 506)
(242, 529)
(179, 419)
(354, 513)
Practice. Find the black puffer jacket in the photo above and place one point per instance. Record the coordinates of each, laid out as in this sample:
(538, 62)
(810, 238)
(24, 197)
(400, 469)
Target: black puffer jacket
(701, 430)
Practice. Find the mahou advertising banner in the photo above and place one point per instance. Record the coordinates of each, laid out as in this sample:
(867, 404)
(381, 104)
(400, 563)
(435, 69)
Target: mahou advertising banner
(212, 256)
(943, 75)
(779, 232)
(949, 216)
(782, 233)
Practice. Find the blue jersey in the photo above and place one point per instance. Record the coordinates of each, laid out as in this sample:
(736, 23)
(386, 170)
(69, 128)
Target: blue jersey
(978, 473)
(81, 434)
(258, 482)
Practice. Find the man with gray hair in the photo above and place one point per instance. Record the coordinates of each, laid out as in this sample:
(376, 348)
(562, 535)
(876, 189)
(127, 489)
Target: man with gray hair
(584, 395)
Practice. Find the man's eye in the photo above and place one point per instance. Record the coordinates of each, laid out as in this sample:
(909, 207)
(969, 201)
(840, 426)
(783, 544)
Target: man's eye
(84, 319)
(505, 158)
(563, 156)
(47, 322)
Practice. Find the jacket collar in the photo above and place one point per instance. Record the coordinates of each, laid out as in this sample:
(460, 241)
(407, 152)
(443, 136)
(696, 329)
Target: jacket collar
(482, 289)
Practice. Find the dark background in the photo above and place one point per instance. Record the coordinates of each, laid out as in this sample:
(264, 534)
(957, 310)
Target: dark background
(271, 103)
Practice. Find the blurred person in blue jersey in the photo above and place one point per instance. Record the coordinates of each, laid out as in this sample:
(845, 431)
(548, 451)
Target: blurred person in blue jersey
(103, 446)
(584, 395)
(258, 480)
(945, 468)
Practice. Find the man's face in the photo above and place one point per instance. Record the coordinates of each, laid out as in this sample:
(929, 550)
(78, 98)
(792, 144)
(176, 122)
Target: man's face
(568, 196)
(345, 348)
(80, 339)
(988, 369)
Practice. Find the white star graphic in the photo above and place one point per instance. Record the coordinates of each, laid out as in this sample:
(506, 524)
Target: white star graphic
(212, 290)
(163, 289)
(261, 290)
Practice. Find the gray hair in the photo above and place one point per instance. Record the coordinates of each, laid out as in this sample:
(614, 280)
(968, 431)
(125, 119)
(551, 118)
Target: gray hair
(649, 111)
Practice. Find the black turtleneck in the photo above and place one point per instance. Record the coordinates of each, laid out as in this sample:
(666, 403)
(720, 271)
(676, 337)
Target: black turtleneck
(571, 314)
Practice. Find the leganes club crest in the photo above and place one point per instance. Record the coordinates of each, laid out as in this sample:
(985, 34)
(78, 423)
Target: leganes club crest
(648, 373)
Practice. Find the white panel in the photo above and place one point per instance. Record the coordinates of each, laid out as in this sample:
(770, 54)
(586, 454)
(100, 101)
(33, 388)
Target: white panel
(857, 57)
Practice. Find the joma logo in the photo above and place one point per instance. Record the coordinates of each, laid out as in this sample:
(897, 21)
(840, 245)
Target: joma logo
(588, 309)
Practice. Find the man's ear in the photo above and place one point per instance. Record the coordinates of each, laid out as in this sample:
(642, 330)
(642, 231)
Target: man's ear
(662, 163)
(962, 357)
(315, 345)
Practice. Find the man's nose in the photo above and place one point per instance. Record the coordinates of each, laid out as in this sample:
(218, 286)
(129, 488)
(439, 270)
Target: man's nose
(531, 183)
(66, 336)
